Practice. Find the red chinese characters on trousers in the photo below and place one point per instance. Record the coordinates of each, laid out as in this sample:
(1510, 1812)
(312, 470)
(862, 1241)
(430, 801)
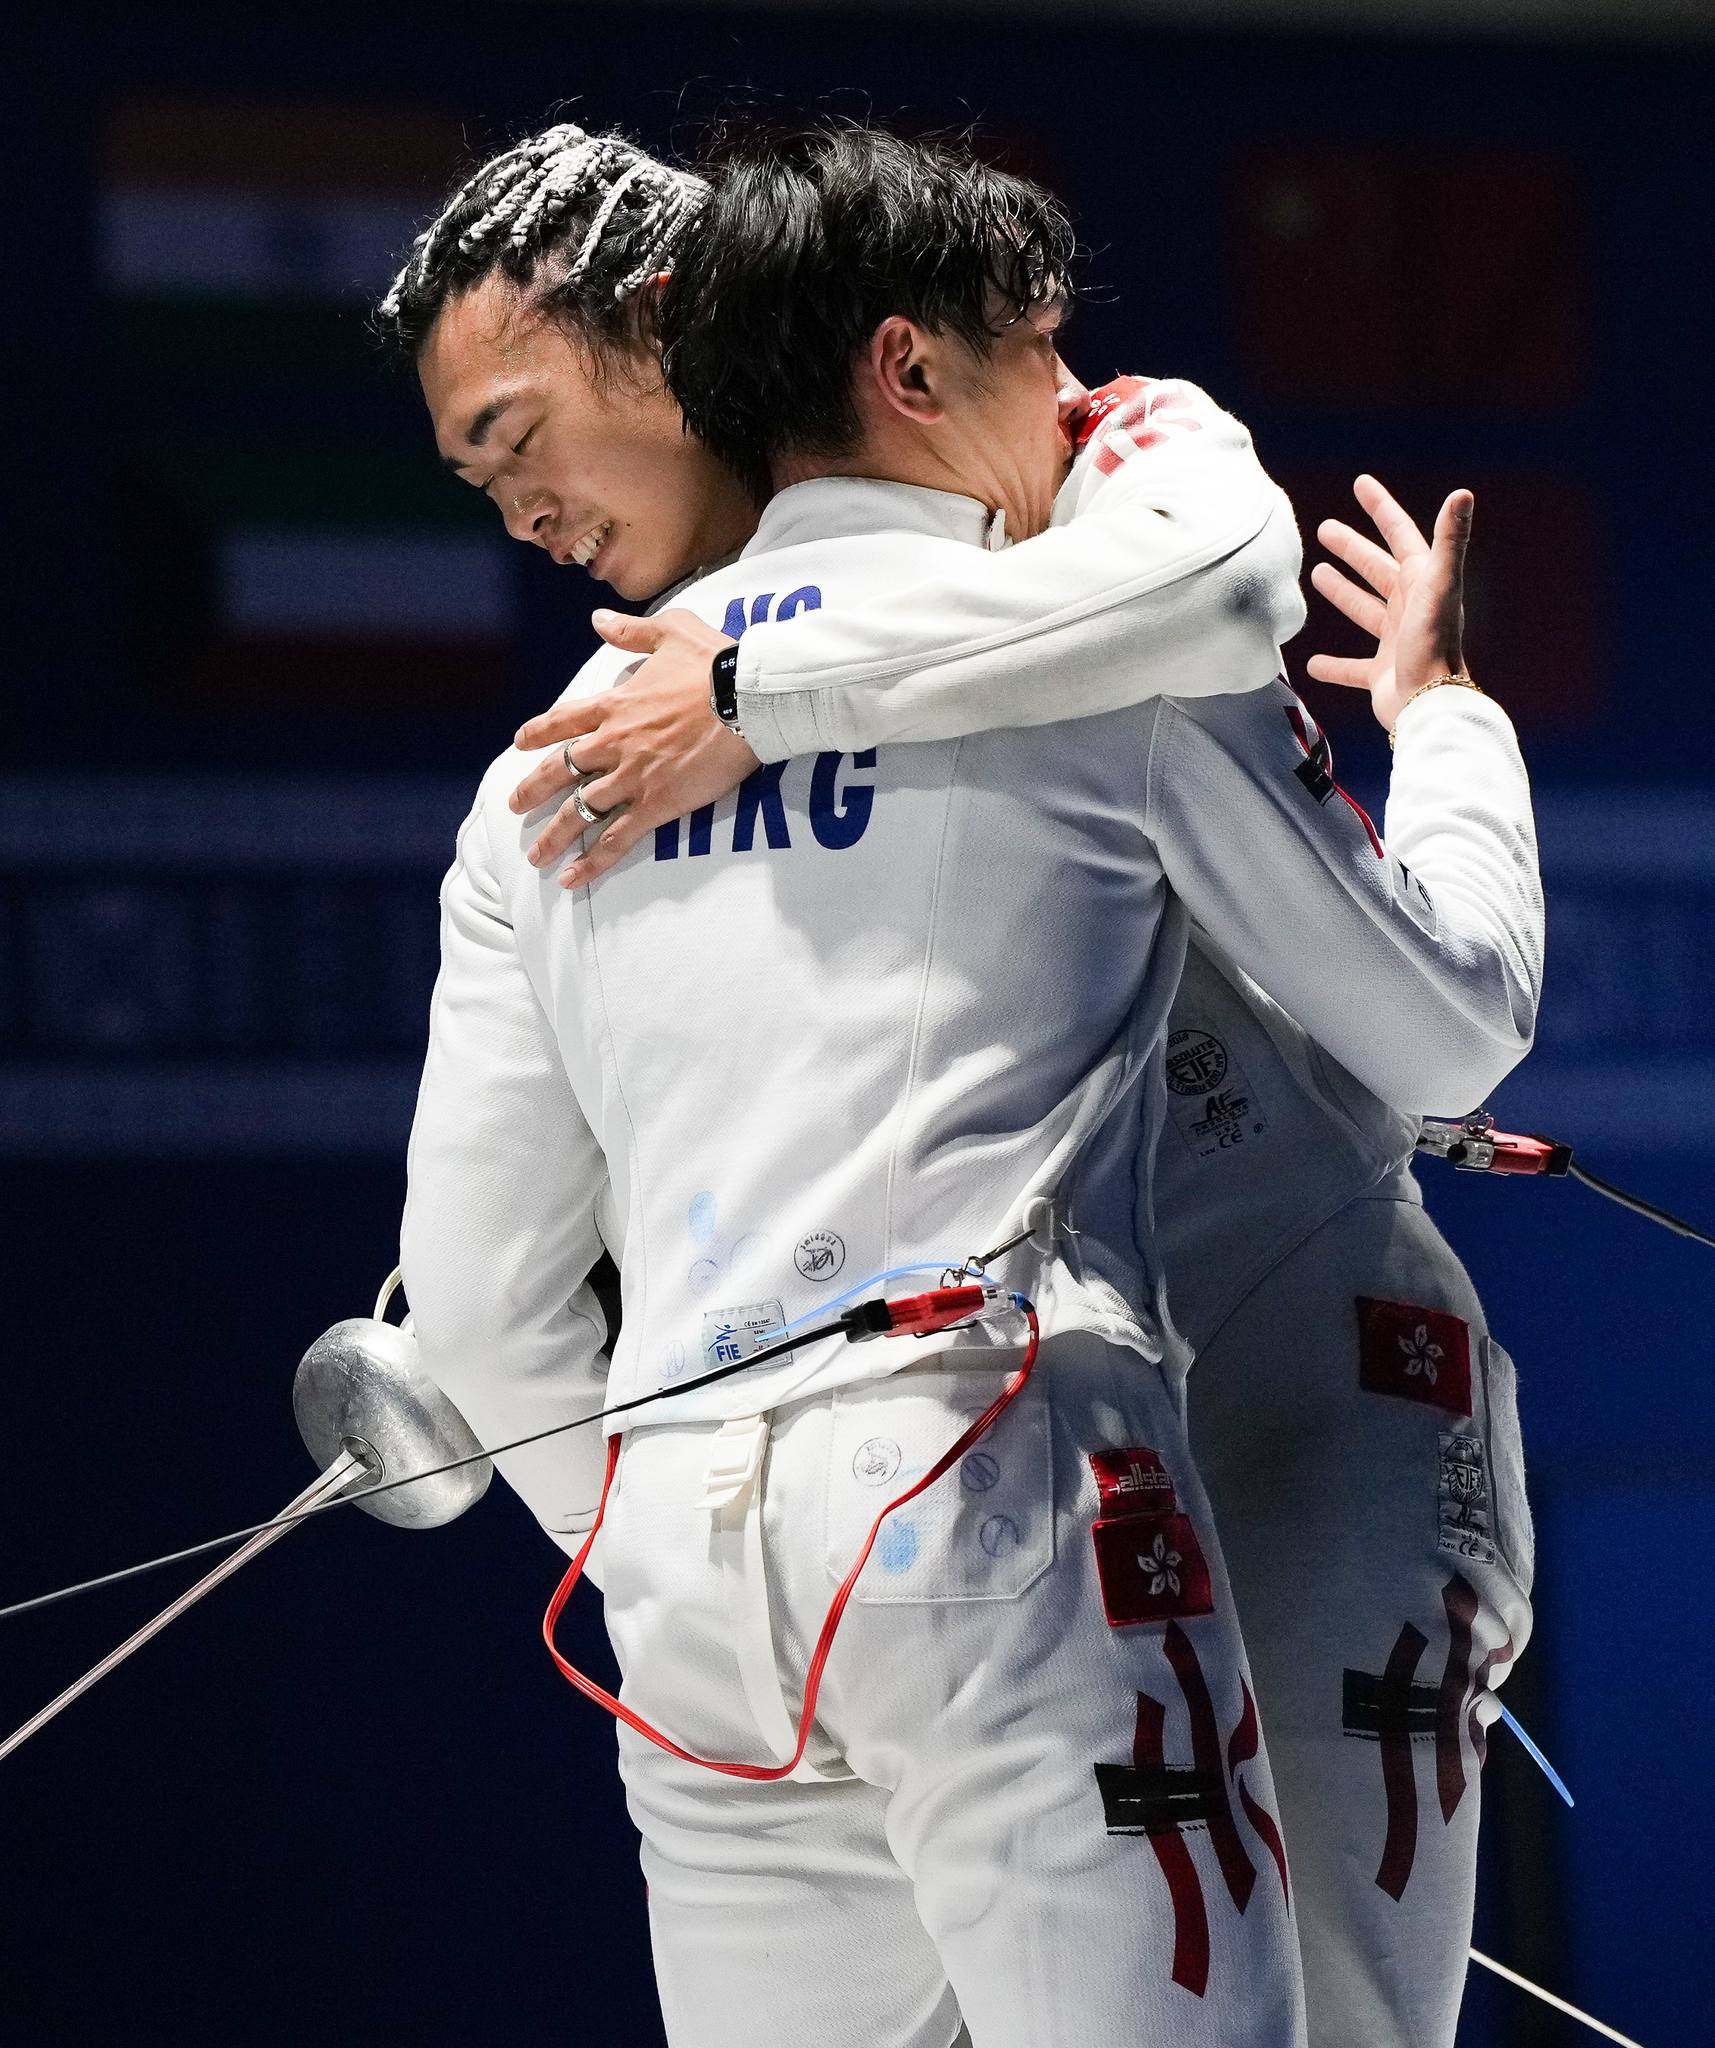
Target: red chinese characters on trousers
(1149, 1561)
(1419, 1354)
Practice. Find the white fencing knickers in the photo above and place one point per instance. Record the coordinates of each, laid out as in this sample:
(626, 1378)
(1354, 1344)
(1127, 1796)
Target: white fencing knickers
(1358, 1430)
(1036, 1796)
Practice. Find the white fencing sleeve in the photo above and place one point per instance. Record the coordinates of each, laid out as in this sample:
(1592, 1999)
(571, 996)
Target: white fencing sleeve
(1418, 965)
(499, 1232)
(1175, 575)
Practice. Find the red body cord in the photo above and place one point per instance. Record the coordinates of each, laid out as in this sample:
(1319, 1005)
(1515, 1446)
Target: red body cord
(764, 1773)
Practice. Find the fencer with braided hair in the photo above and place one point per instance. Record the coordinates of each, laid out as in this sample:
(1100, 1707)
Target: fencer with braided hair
(525, 305)
(711, 1064)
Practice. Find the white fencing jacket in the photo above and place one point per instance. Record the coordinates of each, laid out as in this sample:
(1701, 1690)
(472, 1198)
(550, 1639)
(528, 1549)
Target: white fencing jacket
(1184, 549)
(858, 1014)
(1267, 1133)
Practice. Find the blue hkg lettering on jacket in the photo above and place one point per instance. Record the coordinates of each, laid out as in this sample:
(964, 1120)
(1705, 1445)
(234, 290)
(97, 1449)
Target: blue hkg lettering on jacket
(839, 816)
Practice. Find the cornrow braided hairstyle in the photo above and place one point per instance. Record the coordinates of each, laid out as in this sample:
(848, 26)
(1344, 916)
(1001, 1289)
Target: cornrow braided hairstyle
(579, 222)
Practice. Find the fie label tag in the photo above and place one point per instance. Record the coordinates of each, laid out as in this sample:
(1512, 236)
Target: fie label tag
(731, 1335)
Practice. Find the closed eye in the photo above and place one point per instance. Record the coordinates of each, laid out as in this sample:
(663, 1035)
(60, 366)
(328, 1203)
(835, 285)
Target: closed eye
(518, 448)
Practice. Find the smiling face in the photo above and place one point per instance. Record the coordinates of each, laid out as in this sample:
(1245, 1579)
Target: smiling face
(585, 457)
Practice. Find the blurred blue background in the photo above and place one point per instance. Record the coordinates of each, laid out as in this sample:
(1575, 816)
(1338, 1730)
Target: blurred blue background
(262, 650)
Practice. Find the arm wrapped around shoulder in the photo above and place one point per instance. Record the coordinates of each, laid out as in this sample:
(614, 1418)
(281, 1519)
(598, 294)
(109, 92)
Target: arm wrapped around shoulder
(1171, 570)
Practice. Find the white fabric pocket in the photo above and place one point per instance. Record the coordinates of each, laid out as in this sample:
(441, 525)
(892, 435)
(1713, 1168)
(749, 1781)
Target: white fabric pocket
(983, 1531)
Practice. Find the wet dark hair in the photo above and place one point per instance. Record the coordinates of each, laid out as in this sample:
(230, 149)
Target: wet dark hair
(579, 222)
(809, 241)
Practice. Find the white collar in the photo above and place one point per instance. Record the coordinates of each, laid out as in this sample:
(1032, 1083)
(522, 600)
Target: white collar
(837, 507)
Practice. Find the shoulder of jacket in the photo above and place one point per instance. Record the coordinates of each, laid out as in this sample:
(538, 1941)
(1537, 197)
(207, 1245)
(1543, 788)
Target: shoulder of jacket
(1150, 407)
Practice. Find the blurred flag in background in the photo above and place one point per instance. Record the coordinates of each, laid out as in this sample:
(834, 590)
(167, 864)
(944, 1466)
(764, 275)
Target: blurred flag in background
(1389, 275)
(283, 549)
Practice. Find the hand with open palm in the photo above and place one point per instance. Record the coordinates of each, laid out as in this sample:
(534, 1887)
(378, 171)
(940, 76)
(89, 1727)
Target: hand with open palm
(1415, 605)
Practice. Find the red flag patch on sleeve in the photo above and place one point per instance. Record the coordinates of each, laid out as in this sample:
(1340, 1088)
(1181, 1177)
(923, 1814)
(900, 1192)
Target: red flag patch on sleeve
(1108, 399)
(1148, 1558)
(1133, 415)
(1420, 1354)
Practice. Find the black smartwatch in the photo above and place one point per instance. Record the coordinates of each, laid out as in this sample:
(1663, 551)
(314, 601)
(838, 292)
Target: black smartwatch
(723, 685)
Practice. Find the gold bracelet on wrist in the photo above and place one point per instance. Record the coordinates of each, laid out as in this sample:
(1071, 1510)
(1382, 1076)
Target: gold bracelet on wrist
(1462, 682)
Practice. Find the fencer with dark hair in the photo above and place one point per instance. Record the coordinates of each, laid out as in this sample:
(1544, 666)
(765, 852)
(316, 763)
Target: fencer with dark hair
(987, 1820)
(924, 230)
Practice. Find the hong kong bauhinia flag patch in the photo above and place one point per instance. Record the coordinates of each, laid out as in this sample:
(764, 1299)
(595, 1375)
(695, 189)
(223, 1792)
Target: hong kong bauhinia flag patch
(1148, 1559)
(1418, 1354)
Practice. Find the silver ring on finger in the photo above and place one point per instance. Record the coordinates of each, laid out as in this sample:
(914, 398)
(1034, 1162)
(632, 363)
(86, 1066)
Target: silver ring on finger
(572, 767)
(581, 806)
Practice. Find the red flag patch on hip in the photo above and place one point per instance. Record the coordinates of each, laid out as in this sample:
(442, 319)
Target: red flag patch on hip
(1148, 1559)
(1419, 1354)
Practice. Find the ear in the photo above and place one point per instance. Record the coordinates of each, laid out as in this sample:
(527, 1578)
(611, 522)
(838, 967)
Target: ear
(905, 371)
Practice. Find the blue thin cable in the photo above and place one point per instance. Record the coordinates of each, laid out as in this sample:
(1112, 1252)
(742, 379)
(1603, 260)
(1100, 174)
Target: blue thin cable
(1547, 1769)
(876, 1280)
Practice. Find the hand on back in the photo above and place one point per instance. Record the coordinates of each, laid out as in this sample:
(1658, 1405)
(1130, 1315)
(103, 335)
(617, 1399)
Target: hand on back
(642, 754)
(651, 749)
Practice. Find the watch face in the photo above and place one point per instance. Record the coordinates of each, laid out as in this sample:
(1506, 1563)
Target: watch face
(723, 672)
